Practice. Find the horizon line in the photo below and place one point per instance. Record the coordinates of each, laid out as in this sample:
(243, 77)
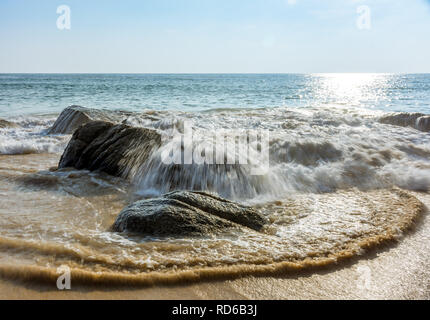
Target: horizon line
(209, 73)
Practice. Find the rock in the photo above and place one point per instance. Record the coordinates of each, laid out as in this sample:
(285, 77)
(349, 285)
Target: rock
(185, 213)
(423, 123)
(418, 121)
(116, 149)
(7, 124)
(73, 117)
(222, 208)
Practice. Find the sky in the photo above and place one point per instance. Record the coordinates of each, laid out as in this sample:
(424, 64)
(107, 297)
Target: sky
(216, 36)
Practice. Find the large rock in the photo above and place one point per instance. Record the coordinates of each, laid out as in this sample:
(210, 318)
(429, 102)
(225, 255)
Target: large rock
(73, 117)
(7, 124)
(116, 149)
(185, 213)
(418, 121)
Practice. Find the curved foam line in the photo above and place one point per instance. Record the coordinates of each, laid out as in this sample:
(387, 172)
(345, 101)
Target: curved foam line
(79, 276)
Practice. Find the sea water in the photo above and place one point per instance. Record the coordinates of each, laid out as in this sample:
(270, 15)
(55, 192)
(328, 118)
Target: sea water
(338, 177)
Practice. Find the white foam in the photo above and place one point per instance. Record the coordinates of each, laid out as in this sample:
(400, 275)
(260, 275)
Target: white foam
(311, 150)
(317, 149)
(30, 139)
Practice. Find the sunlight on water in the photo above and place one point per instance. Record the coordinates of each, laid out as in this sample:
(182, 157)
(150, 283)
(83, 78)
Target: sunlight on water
(351, 88)
(361, 90)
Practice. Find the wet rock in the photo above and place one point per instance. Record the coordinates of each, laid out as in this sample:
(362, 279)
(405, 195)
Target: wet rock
(73, 117)
(7, 124)
(418, 121)
(222, 208)
(116, 149)
(423, 123)
(186, 213)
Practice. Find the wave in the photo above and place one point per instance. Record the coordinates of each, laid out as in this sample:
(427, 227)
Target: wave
(310, 150)
(321, 153)
(27, 141)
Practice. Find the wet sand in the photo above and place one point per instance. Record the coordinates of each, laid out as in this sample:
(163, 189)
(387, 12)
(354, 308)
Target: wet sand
(396, 271)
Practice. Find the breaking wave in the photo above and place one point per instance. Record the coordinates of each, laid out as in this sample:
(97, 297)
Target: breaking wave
(312, 150)
(28, 136)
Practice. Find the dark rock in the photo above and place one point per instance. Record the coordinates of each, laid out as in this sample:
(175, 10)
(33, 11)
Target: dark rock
(7, 124)
(116, 149)
(73, 117)
(417, 121)
(423, 123)
(185, 213)
(222, 208)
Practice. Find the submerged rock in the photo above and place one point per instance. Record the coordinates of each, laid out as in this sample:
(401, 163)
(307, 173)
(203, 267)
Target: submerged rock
(73, 117)
(186, 213)
(4, 124)
(112, 148)
(418, 121)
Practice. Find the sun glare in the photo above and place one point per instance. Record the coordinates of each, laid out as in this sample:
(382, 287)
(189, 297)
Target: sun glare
(351, 88)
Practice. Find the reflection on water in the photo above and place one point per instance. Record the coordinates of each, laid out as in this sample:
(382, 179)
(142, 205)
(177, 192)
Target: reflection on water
(352, 89)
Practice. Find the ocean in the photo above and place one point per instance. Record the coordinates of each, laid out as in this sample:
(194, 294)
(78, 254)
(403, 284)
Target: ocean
(347, 155)
(22, 94)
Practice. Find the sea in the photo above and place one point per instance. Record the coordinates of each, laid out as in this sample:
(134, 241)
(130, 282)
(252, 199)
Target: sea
(348, 155)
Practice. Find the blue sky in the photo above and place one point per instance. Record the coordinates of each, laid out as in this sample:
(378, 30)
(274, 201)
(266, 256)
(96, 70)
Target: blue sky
(181, 36)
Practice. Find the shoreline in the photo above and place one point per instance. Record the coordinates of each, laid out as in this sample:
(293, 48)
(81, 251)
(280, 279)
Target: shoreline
(396, 271)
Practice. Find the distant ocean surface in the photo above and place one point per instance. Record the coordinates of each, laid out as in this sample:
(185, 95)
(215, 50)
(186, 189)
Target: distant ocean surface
(50, 93)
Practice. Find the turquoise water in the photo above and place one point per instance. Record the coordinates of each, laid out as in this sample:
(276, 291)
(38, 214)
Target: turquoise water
(22, 94)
